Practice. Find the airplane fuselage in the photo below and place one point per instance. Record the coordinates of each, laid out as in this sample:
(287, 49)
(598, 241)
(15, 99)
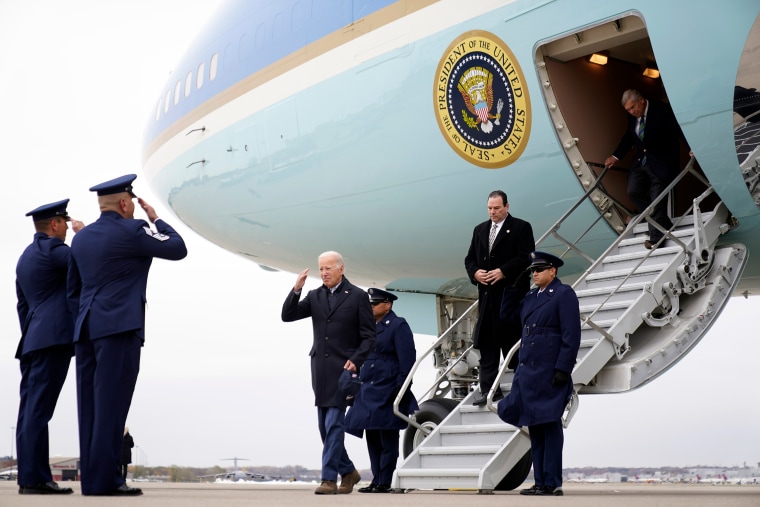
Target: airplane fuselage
(291, 128)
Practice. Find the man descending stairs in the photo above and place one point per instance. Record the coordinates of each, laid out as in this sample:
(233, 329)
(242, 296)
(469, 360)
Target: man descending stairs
(641, 311)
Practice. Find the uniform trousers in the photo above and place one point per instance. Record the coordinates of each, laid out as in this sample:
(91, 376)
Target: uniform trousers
(107, 371)
(43, 373)
(382, 446)
(335, 459)
(643, 188)
(546, 442)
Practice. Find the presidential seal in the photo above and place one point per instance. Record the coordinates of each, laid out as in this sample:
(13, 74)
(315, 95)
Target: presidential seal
(481, 100)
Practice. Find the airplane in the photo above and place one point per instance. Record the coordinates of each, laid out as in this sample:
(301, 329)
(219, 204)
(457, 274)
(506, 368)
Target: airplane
(378, 128)
(237, 474)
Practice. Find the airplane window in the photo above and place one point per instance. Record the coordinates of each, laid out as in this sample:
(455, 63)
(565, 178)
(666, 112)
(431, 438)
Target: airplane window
(158, 108)
(177, 89)
(229, 57)
(188, 83)
(280, 26)
(243, 48)
(201, 69)
(299, 16)
(166, 102)
(261, 37)
(213, 68)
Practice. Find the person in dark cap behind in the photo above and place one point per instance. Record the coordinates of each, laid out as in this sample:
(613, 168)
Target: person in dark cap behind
(108, 275)
(382, 375)
(542, 385)
(46, 346)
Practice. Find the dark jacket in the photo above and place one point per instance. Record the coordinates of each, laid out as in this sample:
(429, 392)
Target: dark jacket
(382, 375)
(345, 332)
(41, 295)
(661, 143)
(108, 272)
(550, 341)
(126, 449)
(510, 253)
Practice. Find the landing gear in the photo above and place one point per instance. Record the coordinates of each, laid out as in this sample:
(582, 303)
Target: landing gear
(429, 416)
(517, 475)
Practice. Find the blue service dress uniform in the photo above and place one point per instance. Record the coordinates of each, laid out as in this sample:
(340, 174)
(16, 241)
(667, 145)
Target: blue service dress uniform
(382, 376)
(44, 351)
(108, 275)
(550, 341)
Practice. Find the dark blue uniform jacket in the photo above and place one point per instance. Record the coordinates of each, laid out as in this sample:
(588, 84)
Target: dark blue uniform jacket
(551, 338)
(108, 272)
(382, 375)
(42, 314)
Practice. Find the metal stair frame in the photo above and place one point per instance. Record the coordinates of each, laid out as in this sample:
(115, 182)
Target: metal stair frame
(689, 266)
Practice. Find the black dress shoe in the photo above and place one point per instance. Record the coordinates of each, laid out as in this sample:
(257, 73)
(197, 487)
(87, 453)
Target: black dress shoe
(122, 490)
(45, 488)
(382, 488)
(534, 490)
(482, 399)
(547, 491)
(367, 489)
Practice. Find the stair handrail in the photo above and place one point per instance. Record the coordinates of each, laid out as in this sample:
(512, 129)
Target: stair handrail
(408, 381)
(621, 347)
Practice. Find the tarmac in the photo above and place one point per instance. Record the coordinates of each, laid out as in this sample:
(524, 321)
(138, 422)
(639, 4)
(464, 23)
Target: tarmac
(302, 495)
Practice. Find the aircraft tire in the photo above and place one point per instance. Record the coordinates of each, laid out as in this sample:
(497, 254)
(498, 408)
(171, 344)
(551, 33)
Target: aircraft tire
(430, 415)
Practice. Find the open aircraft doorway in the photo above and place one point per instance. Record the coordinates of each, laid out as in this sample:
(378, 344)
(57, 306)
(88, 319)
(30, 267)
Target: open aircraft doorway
(583, 76)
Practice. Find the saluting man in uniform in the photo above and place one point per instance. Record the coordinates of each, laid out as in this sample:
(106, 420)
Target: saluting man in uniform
(46, 346)
(542, 385)
(382, 375)
(108, 275)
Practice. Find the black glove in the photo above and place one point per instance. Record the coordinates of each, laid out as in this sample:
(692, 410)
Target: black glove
(560, 378)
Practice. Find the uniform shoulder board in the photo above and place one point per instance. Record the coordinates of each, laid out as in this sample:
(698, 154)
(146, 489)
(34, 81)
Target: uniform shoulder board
(155, 235)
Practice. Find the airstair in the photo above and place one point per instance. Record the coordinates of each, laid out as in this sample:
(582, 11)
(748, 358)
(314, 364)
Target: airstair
(641, 311)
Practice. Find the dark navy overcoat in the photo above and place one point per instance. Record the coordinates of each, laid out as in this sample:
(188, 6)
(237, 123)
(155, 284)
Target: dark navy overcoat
(41, 291)
(343, 330)
(551, 338)
(382, 375)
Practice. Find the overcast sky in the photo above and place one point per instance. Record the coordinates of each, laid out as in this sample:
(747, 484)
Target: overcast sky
(221, 375)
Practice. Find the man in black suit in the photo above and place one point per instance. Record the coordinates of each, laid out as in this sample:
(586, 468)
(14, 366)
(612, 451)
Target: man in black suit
(655, 135)
(497, 258)
(344, 333)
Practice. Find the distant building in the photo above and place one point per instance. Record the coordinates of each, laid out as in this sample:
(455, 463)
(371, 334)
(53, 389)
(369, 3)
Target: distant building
(64, 469)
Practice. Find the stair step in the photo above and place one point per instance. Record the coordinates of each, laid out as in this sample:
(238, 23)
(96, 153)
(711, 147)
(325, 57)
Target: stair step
(636, 256)
(477, 428)
(621, 273)
(603, 291)
(441, 473)
(639, 240)
(476, 434)
(464, 456)
(453, 450)
(609, 306)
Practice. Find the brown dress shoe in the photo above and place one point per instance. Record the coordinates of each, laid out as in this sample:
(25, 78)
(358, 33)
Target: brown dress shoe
(326, 488)
(347, 482)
